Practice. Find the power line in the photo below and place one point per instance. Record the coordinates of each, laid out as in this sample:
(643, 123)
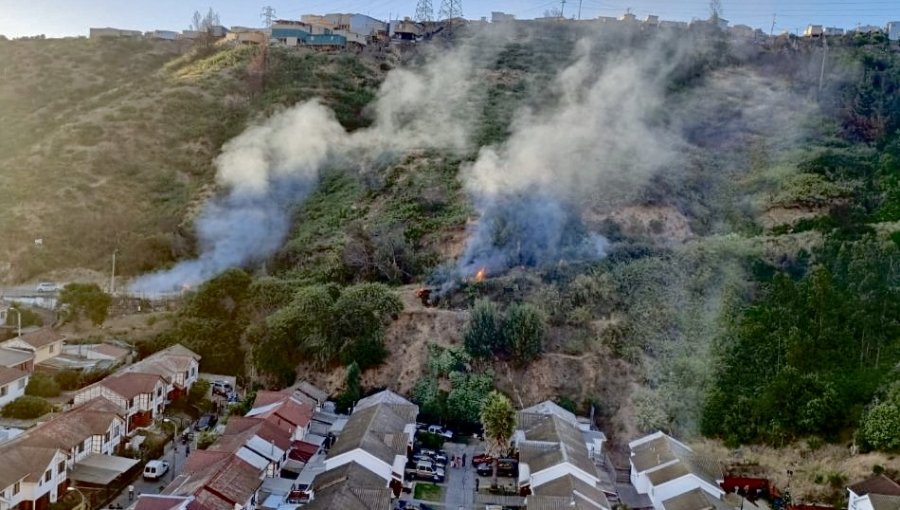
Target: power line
(268, 15)
(424, 11)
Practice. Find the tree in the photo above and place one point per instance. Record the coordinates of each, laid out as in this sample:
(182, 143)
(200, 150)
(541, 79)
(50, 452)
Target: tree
(880, 427)
(715, 10)
(498, 417)
(86, 300)
(467, 396)
(201, 23)
(42, 385)
(352, 389)
(27, 407)
(523, 333)
(197, 395)
(482, 336)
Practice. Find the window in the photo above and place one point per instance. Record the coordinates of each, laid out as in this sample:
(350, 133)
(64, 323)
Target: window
(106, 437)
(15, 488)
(130, 403)
(80, 448)
(4, 390)
(48, 475)
(61, 467)
(23, 382)
(52, 348)
(158, 392)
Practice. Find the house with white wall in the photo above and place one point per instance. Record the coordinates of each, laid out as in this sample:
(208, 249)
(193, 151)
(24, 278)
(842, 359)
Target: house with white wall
(31, 478)
(256, 438)
(177, 364)
(12, 384)
(215, 480)
(555, 465)
(285, 410)
(43, 343)
(141, 397)
(15, 358)
(664, 468)
(874, 493)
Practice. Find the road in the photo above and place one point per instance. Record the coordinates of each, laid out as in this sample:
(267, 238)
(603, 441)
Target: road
(142, 486)
(460, 489)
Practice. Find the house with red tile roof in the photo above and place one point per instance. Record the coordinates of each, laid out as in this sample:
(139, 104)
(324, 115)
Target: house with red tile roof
(44, 343)
(141, 397)
(215, 480)
(284, 410)
(877, 492)
(177, 364)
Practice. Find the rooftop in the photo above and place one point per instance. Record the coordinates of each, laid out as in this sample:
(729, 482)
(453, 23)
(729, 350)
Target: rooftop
(71, 428)
(697, 499)
(131, 384)
(551, 441)
(350, 487)
(878, 484)
(567, 492)
(41, 337)
(22, 461)
(377, 429)
(884, 502)
(13, 357)
(8, 375)
(400, 405)
(661, 450)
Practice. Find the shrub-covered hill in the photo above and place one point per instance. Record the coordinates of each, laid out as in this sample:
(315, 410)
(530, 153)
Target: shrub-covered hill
(744, 286)
(109, 144)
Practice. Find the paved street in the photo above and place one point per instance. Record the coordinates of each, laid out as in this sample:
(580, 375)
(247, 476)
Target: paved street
(460, 493)
(142, 486)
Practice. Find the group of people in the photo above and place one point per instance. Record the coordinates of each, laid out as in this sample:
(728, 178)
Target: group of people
(458, 461)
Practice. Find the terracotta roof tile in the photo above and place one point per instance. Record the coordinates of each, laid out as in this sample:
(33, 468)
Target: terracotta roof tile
(131, 384)
(878, 484)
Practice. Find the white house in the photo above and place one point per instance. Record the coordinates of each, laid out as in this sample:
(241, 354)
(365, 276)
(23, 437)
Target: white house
(97, 427)
(555, 466)
(31, 476)
(256, 438)
(44, 343)
(12, 384)
(141, 397)
(874, 493)
(178, 365)
(664, 468)
(285, 410)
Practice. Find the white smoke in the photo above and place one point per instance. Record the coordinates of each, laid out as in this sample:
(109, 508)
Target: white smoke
(271, 167)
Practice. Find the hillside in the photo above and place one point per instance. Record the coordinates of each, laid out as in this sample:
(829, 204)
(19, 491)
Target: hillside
(680, 231)
(109, 144)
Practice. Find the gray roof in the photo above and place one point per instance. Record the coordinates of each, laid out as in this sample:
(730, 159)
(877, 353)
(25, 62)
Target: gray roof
(697, 499)
(308, 389)
(884, 502)
(350, 487)
(14, 357)
(551, 441)
(400, 405)
(572, 491)
(876, 484)
(377, 429)
(663, 450)
(550, 407)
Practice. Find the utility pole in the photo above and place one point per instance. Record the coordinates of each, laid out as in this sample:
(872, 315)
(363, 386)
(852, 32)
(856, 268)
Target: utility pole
(112, 276)
(579, 9)
(268, 15)
(772, 30)
(824, 56)
(424, 11)
(562, 8)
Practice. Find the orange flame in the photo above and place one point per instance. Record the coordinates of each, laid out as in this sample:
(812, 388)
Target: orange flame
(480, 275)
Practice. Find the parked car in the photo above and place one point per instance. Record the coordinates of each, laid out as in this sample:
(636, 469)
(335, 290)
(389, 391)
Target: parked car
(481, 458)
(441, 431)
(47, 287)
(220, 387)
(155, 469)
(505, 467)
(425, 470)
(206, 422)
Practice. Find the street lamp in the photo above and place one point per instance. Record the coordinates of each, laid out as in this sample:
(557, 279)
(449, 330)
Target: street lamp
(174, 444)
(19, 317)
(84, 501)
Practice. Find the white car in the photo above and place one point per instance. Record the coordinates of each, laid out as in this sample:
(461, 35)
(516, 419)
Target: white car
(155, 469)
(47, 287)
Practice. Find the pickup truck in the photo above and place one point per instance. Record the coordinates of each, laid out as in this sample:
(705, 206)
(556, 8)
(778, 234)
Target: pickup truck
(424, 470)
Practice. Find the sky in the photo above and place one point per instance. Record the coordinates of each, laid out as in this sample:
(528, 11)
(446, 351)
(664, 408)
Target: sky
(60, 18)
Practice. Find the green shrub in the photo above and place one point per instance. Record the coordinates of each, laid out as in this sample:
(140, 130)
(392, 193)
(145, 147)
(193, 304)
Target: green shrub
(68, 379)
(26, 408)
(42, 385)
(523, 333)
(482, 336)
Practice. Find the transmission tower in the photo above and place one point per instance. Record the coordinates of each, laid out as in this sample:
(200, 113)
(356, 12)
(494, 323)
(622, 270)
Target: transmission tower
(268, 14)
(424, 11)
(451, 9)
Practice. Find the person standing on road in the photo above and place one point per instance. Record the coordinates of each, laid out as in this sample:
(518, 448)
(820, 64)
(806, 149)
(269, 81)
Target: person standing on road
(476, 483)
(464, 460)
(131, 493)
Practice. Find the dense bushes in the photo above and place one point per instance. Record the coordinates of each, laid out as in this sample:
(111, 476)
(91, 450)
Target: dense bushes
(26, 408)
(85, 300)
(41, 384)
(880, 427)
(518, 335)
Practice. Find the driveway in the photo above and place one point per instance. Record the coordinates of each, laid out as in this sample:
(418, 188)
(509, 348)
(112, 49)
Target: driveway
(142, 486)
(460, 494)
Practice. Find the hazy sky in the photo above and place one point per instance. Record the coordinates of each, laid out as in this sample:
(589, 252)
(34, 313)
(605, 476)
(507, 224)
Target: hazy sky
(57, 18)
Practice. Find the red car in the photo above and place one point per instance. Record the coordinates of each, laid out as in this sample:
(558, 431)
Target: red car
(482, 458)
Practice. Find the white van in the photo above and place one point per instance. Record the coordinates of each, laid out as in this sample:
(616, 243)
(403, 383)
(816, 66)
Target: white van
(155, 469)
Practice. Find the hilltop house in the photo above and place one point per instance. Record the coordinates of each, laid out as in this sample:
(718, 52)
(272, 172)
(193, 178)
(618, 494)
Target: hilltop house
(664, 469)
(43, 343)
(285, 410)
(12, 384)
(178, 365)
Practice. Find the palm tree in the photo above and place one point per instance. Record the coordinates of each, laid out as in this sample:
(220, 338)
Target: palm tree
(498, 417)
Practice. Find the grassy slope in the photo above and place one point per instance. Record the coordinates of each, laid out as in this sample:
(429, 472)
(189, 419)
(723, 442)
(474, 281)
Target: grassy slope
(109, 144)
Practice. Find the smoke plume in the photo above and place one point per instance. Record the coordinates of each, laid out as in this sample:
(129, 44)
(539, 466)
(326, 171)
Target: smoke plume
(270, 168)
